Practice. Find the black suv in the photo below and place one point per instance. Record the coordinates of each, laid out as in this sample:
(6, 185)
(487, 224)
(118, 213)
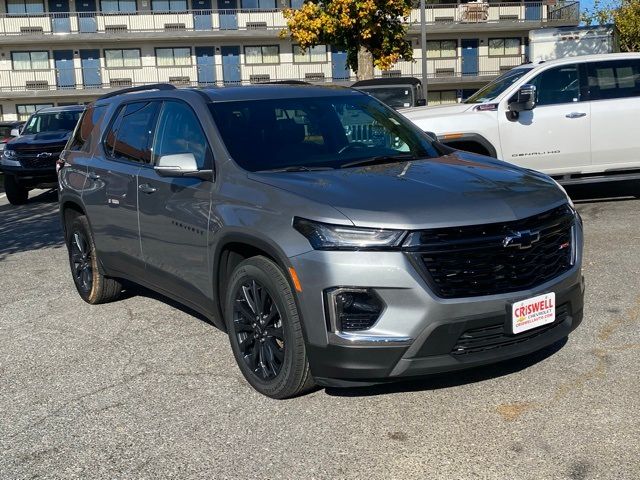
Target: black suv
(29, 161)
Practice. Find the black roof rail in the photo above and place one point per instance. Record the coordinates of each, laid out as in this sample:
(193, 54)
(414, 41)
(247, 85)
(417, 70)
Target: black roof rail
(140, 88)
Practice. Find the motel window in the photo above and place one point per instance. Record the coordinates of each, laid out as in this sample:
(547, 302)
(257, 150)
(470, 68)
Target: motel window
(500, 47)
(262, 54)
(24, 111)
(170, 57)
(310, 55)
(120, 58)
(442, 97)
(169, 5)
(25, 6)
(109, 6)
(442, 49)
(30, 60)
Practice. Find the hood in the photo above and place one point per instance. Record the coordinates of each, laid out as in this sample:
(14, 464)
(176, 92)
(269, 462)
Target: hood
(437, 111)
(45, 139)
(452, 190)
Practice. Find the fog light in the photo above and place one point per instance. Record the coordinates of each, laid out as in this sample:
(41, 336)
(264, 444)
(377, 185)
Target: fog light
(353, 309)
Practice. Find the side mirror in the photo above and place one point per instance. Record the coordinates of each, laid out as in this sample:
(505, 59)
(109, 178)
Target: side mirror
(421, 102)
(15, 132)
(524, 99)
(180, 165)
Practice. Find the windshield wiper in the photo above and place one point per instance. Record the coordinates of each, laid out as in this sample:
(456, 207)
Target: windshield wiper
(295, 168)
(380, 159)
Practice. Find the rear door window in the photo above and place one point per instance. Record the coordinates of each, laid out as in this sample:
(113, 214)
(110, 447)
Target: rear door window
(129, 137)
(614, 79)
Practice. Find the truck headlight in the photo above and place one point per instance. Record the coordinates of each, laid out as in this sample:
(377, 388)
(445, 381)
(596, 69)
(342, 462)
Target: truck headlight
(324, 236)
(9, 158)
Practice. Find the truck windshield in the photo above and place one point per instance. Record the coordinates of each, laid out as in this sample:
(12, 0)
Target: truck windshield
(395, 97)
(499, 85)
(309, 133)
(51, 122)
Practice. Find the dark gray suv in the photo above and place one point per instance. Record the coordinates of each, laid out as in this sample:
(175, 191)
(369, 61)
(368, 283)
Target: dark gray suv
(335, 242)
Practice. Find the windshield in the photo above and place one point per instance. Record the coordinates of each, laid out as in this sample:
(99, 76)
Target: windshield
(51, 122)
(499, 85)
(395, 97)
(317, 132)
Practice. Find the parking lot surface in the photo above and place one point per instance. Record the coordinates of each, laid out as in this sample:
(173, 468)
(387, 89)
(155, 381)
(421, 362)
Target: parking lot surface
(144, 388)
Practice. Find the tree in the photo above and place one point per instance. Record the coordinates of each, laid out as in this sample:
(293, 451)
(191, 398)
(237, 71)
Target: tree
(372, 32)
(624, 14)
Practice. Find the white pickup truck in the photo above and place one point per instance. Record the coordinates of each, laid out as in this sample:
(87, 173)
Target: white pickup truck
(576, 118)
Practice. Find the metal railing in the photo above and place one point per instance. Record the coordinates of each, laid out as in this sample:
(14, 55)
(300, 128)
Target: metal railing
(77, 79)
(549, 11)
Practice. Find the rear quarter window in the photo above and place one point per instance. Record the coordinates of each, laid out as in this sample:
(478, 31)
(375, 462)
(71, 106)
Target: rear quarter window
(91, 116)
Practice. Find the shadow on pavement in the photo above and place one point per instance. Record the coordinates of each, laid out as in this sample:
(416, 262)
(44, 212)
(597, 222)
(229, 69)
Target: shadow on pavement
(604, 192)
(31, 226)
(452, 379)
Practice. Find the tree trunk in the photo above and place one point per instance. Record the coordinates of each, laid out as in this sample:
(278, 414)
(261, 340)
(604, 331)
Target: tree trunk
(365, 64)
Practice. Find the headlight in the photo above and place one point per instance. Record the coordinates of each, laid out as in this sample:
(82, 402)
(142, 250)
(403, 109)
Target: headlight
(9, 158)
(9, 154)
(323, 236)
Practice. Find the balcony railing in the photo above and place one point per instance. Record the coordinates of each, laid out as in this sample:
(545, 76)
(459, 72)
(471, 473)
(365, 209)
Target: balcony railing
(91, 79)
(549, 11)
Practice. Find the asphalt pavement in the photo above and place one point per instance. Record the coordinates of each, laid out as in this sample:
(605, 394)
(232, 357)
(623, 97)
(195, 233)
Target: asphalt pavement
(144, 388)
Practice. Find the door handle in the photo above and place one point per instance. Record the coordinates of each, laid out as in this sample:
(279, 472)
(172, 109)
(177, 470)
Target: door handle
(575, 115)
(146, 188)
(93, 176)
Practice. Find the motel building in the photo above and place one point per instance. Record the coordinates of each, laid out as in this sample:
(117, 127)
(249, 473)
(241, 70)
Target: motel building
(58, 52)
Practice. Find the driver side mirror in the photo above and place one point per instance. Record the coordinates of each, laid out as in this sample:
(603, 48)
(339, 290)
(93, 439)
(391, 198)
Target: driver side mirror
(421, 102)
(524, 99)
(15, 132)
(180, 165)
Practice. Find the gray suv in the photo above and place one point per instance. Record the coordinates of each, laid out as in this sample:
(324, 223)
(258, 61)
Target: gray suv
(335, 242)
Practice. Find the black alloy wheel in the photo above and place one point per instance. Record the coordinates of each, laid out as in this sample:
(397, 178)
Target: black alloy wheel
(258, 328)
(81, 262)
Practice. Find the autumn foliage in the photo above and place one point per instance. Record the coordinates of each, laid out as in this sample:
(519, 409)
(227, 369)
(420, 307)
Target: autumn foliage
(376, 25)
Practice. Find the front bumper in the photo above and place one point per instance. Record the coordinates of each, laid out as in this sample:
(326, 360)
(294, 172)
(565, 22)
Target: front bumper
(417, 331)
(31, 176)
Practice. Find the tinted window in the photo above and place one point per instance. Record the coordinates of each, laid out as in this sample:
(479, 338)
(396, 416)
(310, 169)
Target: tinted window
(558, 85)
(129, 135)
(395, 97)
(89, 118)
(179, 131)
(614, 79)
(325, 132)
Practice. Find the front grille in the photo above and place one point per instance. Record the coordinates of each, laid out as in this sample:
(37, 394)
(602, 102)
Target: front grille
(473, 261)
(494, 336)
(29, 157)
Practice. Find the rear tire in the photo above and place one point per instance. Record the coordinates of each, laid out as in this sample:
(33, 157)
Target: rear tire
(16, 193)
(265, 330)
(92, 286)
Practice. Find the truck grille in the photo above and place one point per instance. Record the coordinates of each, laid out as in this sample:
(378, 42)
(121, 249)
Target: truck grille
(29, 158)
(496, 258)
(491, 337)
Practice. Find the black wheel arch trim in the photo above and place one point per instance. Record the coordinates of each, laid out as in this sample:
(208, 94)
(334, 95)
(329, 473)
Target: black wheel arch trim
(471, 137)
(271, 249)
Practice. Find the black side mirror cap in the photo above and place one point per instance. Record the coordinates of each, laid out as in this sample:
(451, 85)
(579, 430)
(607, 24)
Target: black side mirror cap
(421, 102)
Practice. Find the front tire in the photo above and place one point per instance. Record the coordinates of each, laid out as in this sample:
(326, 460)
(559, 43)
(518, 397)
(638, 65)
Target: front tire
(265, 330)
(92, 286)
(16, 193)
